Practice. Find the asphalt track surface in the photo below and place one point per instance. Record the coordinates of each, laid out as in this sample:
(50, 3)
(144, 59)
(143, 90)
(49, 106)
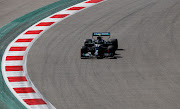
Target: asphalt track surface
(12, 9)
(146, 74)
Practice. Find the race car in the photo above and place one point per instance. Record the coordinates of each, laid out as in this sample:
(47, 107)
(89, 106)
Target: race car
(99, 47)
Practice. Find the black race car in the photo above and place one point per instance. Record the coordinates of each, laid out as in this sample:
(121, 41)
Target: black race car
(99, 47)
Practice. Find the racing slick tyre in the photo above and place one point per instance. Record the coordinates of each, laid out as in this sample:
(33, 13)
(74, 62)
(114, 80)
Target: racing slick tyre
(111, 49)
(87, 42)
(114, 43)
(83, 51)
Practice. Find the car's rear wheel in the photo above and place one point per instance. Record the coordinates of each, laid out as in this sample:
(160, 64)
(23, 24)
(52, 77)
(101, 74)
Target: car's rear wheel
(114, 43)
(87, 42)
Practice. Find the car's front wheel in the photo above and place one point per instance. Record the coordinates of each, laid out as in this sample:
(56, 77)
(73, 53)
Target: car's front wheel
(111, 49)
(83, 51)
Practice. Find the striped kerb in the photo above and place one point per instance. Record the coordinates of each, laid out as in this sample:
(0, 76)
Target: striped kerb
(45, 24)
(14, 58)
(34, 101)
(94, 1)
(17, 79)
(33, 32)
(75, 8)
(24, 90)
(59, 16)
(17, 49)
(24, 40)
(14, 68)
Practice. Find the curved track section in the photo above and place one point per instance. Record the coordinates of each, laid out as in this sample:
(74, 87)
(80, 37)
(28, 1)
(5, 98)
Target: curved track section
(146, 74)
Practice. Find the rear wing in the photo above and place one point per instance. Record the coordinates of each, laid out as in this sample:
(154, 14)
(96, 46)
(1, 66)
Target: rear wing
(101, 34)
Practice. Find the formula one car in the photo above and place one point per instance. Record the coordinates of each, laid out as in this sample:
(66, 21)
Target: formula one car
(99, 47)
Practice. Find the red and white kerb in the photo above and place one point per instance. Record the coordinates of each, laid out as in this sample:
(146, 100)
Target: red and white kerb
(15, 58)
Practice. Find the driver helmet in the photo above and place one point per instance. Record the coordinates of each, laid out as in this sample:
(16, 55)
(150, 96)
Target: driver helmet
(99, 38)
